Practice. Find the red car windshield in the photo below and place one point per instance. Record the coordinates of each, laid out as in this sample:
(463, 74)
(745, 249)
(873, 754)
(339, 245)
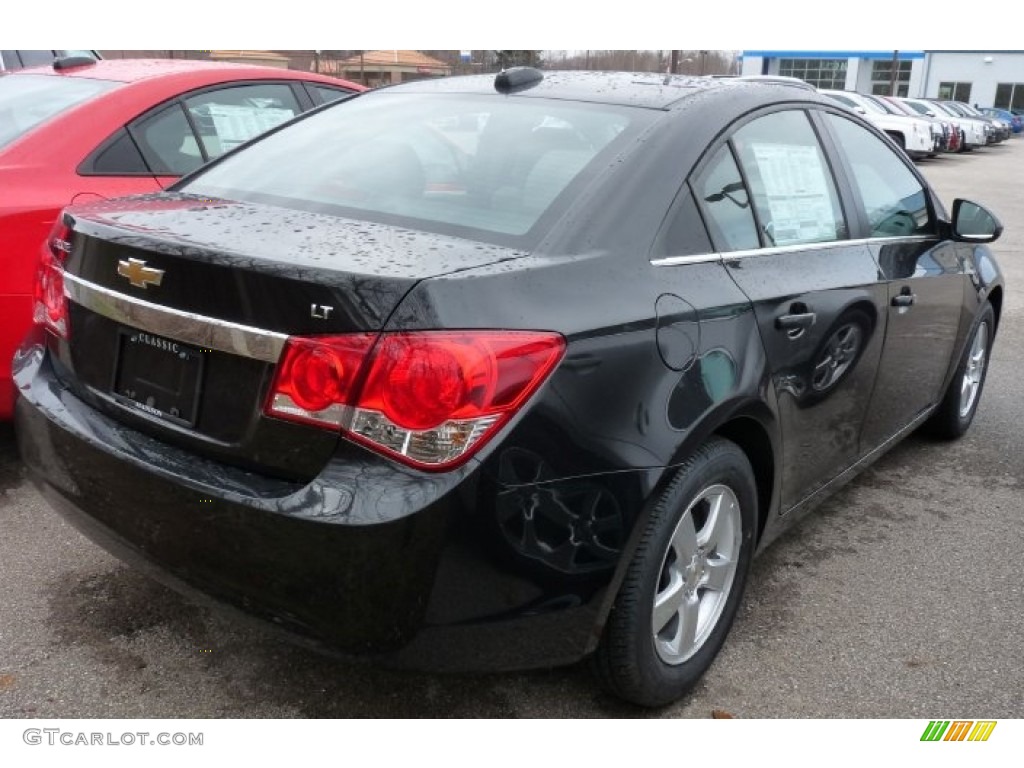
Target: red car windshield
(28, 100)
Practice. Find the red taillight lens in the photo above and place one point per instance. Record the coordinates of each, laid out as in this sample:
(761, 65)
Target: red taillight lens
(50, 307)
(424, 384)
(316, 378)
(430, 398)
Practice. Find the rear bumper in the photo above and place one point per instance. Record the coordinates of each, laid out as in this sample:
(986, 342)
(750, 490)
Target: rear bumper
(359, 560)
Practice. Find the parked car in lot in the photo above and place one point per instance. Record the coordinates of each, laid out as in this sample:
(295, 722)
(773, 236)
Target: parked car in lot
(951, 135)
(1014, 121)
(913, 135)
(82, 129)
(975, 132)
(998, 130)
(504, 372)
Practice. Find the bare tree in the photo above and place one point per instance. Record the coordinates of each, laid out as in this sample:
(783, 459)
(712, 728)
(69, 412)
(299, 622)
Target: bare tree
(706, 62)
(506, 59)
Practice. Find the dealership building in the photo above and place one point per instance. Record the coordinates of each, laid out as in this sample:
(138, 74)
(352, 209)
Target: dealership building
(986, 78)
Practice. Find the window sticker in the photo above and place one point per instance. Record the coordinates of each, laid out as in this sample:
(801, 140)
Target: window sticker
(797, 193)
(237, 124)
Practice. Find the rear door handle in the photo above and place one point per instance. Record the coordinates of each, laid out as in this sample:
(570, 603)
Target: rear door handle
(798, 321)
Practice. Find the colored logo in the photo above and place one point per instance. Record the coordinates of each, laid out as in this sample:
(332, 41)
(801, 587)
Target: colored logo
(139, 274)
(958, 730)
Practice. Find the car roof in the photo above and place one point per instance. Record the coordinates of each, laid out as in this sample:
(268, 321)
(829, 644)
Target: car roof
(773, 79)
(840, 92)
(135, 70)
(635, 89)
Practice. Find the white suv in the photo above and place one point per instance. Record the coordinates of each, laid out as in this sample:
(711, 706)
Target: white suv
(914, 136)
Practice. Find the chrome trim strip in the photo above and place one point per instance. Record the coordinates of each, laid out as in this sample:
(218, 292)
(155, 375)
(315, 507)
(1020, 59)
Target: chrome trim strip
(671, 261)
(830, 244)
(187, 327)
(902, 239)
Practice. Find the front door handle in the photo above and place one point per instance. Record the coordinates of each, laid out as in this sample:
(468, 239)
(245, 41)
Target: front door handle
(905, 298)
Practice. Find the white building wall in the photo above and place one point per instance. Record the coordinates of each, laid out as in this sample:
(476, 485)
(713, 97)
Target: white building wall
(983, 70)
(863, 82)
(853, 67)
(752, 65)
(916, 85)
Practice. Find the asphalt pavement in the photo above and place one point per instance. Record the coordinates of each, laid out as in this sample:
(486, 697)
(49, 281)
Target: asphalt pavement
(902, 597)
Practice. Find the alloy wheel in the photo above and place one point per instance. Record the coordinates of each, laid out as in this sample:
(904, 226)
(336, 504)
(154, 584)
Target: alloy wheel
(974, 371)
(697, 574)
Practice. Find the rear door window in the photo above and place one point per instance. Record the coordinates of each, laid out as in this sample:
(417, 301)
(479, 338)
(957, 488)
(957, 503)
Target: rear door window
(326, 94)
(168, 142)
(723, 197)
(791, 185)
(228, 117)
(178, 137)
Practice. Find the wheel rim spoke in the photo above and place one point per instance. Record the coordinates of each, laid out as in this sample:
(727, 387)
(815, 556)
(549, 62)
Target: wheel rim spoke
(668, 602)
(718, 576)
(689, 617)
(679, 635)
(719, 515)
(684, 542)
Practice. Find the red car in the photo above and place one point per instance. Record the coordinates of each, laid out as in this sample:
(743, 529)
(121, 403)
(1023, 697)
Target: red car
(84, 129)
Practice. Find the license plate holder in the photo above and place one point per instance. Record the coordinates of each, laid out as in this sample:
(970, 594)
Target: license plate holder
(159, 376)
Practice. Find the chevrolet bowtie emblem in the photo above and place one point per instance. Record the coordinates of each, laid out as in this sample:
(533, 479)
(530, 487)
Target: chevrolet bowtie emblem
(138, 273)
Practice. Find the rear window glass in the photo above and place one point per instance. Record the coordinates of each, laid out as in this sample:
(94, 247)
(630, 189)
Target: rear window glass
(437, 162)
(28, 100)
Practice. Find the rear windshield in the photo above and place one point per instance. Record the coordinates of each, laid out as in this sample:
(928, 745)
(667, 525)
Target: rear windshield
(446, 163)
(28, 100)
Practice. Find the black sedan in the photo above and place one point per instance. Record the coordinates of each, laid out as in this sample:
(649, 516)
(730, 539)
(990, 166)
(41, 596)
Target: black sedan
(504, 372)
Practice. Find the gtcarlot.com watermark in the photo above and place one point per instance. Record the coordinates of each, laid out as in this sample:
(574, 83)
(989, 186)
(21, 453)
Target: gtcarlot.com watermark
(56, 736)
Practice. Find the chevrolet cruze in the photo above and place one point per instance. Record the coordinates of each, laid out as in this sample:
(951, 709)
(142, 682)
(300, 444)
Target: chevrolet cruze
(498, 373)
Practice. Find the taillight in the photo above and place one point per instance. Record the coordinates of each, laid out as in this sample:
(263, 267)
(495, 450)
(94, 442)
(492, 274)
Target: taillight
(316, 378)
(430, 398)
(50, 307)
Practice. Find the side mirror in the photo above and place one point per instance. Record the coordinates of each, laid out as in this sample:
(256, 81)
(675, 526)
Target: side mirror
(973, 223)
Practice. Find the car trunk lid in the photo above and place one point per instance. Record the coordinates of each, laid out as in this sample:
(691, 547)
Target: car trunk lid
(180, 306)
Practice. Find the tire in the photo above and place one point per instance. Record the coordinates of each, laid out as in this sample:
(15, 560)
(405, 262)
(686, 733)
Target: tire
(700, 532)
(956, 411)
